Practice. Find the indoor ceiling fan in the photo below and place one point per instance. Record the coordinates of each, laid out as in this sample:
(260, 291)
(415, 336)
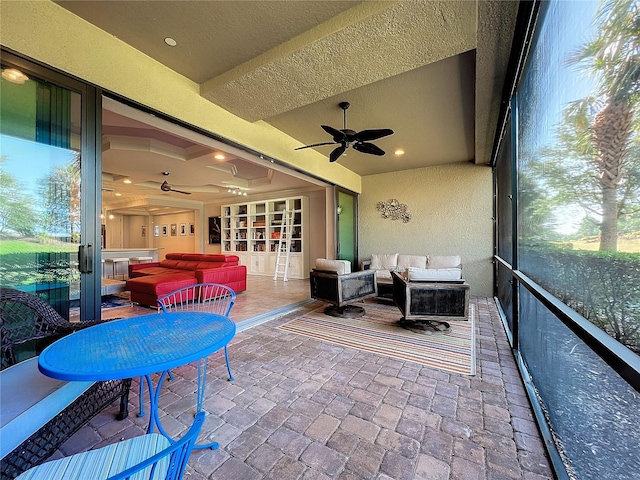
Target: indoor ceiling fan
(165, 187)
(360, 141)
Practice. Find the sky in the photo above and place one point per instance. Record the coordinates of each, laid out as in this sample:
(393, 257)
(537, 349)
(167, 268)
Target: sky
(29, 162)
(568, 26)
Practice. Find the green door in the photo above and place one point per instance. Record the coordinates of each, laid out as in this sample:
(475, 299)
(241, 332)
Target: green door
(347, 213)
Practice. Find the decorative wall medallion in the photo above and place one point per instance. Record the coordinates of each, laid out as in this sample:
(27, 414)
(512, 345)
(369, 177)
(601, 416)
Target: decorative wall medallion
(394, 210)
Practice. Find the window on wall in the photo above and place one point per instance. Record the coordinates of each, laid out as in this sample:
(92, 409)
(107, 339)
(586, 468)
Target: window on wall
(578, 210)
(579, 163)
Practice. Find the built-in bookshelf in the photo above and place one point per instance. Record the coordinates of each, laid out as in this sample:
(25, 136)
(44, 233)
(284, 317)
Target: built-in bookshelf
(252, 230)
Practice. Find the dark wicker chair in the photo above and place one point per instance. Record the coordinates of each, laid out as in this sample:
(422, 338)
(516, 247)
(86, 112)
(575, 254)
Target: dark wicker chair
(333, 281)
(28, 321)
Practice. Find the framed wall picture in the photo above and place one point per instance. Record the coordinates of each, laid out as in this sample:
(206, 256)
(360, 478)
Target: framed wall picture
(144, 230)
(165, 230)
(192, 229)
(183, 229)
(214, 230)
(174, 229)
(156, 230)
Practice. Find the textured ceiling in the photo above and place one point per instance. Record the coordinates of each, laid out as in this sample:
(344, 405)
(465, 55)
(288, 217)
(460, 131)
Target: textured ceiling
(432, 71)
(361, 46)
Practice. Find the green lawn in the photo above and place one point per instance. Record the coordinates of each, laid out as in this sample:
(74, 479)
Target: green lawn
(24, 246)
(628, 245)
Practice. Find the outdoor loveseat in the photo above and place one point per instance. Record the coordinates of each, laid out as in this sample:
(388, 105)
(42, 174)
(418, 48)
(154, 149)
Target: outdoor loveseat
(435, 268)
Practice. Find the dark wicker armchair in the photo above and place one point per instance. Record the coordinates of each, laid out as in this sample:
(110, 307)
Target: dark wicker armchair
(333, 281)
(27, 326)
(26, 319)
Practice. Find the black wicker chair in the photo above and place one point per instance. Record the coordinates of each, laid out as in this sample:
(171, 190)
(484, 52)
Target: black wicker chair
(333, 281)
(28, 321)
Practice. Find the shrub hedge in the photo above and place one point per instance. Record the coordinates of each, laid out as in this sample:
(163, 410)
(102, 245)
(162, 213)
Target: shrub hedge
(603, 287)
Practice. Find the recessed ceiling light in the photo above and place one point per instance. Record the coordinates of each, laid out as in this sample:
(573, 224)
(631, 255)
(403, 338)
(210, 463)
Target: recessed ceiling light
(126, 180)
(399, 151)
(118, 194)
(14, 75)
(218, 156)
(170, 41)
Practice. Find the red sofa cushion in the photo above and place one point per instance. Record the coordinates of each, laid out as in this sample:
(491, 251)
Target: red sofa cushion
(204, 257)
(176, 262)
(144, 272)
(190, 257)
(158, 285)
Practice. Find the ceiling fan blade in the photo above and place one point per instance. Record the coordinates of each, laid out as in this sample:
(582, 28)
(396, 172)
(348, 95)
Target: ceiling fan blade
(338, 135)
(316, 145)
(337, 153)
(366, 135)
(370, 148)
(165, 187)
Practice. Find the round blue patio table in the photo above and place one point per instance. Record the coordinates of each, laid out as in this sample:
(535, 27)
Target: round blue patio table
(140, 346)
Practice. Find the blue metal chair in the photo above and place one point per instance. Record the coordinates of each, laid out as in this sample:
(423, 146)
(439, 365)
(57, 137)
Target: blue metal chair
(147, 457)
(202, 297)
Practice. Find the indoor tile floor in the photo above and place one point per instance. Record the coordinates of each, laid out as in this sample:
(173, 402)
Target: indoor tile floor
(263, 295)
(300, 408)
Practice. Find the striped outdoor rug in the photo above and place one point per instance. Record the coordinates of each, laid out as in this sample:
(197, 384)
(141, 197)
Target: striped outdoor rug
(378, 332)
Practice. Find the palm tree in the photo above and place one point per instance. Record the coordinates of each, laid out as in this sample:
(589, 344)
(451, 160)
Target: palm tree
(567, 168)
(614, 55)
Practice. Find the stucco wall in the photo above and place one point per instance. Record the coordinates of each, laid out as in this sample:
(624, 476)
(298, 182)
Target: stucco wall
(46, 32)
(451, 215)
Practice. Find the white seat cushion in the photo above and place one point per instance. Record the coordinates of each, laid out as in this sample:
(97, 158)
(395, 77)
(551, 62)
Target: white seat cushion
(443, 261)
(337, 266)
(104, 462)
(413, 274)
(406, 261)
(384, 275)
(384, 262)
(141, 259)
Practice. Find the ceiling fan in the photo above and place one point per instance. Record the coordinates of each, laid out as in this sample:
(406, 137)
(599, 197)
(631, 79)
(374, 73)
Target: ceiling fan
(165, 187)
(360, 141)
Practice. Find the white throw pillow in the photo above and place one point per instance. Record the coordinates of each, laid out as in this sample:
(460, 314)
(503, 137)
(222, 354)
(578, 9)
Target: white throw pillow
(443, 261)
(337, 266)
(432, 274)
(384, 262)
(405, 261)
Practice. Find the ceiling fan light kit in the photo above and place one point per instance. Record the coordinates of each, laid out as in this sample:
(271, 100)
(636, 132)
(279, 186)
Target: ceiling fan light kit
(359, 141)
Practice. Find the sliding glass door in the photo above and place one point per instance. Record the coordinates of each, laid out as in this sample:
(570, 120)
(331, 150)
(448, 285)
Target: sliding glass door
(47, 199)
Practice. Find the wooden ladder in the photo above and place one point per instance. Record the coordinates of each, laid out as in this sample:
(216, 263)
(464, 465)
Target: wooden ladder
(284, 246)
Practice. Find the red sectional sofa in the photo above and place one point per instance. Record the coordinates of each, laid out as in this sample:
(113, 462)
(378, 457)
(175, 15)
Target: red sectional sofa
(148, 281)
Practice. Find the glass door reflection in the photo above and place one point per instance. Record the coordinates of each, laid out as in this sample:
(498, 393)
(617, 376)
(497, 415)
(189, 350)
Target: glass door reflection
(40, 205)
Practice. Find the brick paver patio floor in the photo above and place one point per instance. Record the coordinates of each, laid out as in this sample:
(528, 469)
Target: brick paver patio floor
(300, 408)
